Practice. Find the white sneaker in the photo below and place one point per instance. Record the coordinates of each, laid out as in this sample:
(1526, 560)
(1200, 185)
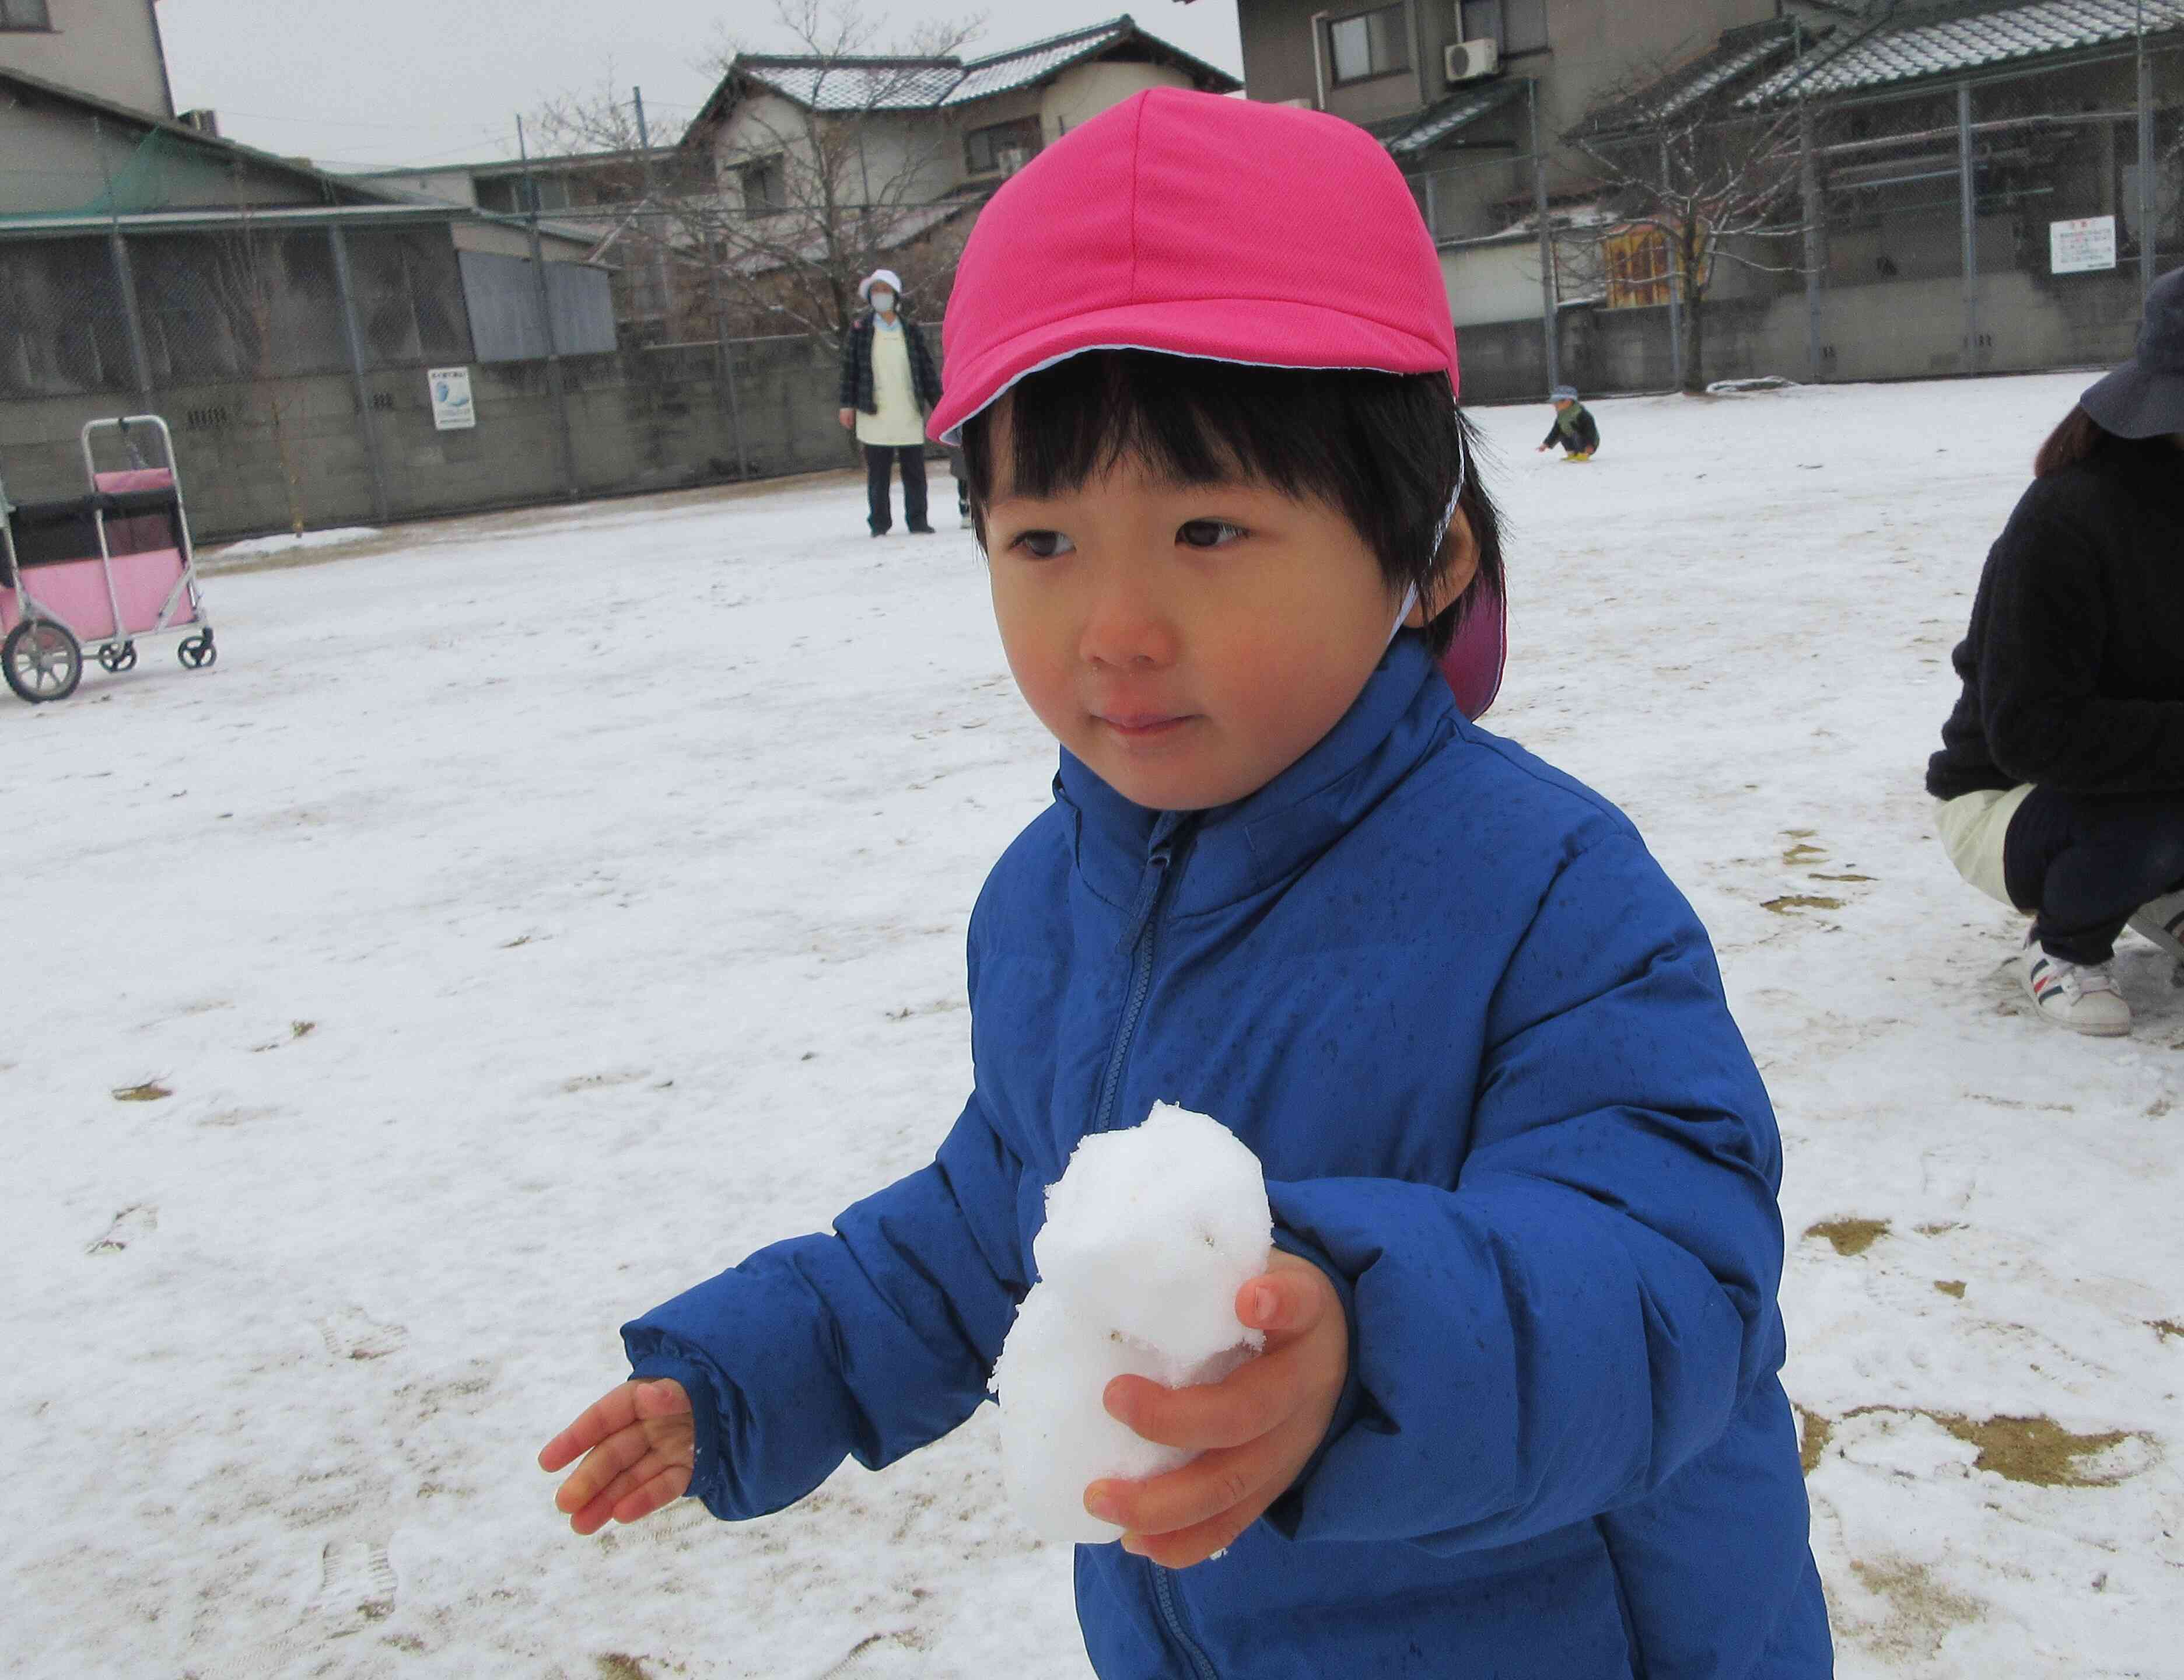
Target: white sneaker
(2081, 996)
(2162, 922)
(967, 521)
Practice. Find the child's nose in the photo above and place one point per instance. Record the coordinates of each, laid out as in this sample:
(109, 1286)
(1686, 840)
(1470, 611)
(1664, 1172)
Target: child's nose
(1126, 628)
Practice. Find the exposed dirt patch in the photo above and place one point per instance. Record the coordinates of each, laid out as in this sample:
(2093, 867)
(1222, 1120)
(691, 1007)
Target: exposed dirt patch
(1812, 1434)
(1817, 876)
(1950, 1286)
(2165, 1328)
(1850, 1237)
(1802, 852)
(615, 1665)
(151, 1091)
(2036, 1450)
(1800, 901)
(1921, 1610)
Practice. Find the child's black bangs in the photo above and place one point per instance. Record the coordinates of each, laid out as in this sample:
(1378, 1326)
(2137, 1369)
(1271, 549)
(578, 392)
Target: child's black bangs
(1183, 419)
(1384, 450)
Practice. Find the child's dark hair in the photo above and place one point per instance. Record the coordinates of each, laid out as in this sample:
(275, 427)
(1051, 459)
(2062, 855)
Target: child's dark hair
(1383, 449)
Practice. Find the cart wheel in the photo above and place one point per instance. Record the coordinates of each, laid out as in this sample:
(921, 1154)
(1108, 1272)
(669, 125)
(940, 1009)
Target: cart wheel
(197, 652)
(42, 661)
(117, 659)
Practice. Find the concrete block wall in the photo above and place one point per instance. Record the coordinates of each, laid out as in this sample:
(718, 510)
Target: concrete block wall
(638, 420)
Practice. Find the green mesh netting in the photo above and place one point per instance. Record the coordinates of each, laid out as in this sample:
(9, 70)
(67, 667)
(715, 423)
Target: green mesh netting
(164, 171)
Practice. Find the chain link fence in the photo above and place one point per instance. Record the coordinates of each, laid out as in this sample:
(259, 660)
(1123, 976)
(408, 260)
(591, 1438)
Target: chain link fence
(292, 362)
(2009, 223)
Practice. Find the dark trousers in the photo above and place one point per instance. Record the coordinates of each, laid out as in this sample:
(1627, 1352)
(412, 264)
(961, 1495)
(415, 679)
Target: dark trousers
(2086, 862)
(879, 458)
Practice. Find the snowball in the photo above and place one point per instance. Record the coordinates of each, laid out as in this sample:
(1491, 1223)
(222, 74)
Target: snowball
(1149, 1235)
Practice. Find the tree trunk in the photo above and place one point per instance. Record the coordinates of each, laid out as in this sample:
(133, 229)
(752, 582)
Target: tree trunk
(1694, 339)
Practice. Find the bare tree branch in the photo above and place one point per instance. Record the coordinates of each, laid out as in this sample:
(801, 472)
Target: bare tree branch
(1674, 153)
(776, 206)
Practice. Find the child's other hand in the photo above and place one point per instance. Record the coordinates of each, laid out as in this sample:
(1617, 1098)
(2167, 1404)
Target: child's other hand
(1256, 1429)
(638, 1443)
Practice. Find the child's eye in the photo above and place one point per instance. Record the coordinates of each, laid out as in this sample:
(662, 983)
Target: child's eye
(1044, 545)
(1209, 533)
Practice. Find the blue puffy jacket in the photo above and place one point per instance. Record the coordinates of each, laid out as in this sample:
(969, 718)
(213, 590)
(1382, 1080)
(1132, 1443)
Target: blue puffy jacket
(1479, 1043)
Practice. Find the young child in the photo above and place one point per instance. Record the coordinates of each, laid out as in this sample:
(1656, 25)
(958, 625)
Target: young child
(1519, 1413)
(1574, 428)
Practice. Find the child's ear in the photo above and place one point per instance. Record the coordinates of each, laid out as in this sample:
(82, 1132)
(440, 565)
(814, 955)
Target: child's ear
(1459, 564)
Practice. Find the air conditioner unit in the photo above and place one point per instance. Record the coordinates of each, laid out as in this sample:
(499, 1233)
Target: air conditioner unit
(1468, 60)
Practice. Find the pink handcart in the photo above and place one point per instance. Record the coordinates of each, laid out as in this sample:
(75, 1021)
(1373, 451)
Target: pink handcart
(102, 569)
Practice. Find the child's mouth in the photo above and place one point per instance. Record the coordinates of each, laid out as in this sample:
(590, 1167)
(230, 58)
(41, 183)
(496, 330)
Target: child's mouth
(1143, 725)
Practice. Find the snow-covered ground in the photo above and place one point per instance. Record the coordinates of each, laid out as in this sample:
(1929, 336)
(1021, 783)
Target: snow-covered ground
(532, 914)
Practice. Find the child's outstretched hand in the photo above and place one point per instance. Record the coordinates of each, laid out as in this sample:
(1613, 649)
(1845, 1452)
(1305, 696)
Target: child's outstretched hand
(1255, 1430)
(638, 1443)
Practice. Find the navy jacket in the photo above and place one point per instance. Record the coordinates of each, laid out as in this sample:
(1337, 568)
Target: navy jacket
(2070, 668)
(1577, 431)
(1479, 1043)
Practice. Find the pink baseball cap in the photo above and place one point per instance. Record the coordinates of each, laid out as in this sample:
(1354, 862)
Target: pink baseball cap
(1196, 225)
(1199, 226)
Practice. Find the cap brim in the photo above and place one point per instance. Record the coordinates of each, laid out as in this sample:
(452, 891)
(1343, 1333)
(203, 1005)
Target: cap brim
(1212, 329)
(2136, 401)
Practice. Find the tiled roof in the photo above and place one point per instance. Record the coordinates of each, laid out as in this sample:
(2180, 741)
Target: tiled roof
(1970, 40)
(852, 85)
(1739, 55)
(1408, 136)
(929, 84)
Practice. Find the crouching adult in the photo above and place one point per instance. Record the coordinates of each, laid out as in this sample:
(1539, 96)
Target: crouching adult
(2061, 771)
(888, 385)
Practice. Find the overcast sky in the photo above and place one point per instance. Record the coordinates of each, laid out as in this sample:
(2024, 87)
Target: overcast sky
(440, 81)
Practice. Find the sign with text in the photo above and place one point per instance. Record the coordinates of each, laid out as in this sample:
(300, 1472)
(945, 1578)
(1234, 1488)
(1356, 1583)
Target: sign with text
(2082, 245)
(452, 409)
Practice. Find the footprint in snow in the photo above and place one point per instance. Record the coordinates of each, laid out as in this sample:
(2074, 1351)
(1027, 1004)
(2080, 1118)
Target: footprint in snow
(352, 1333)
(357, 1587)
(140, 1220)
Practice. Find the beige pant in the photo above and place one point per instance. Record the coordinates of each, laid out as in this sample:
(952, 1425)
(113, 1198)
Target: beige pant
(1974, 826)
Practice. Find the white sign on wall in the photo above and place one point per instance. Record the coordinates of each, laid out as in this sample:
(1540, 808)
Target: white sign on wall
(452, 409)
(2082, 245)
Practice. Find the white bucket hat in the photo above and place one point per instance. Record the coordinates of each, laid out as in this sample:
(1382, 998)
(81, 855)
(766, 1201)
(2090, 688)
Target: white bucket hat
(887, 277)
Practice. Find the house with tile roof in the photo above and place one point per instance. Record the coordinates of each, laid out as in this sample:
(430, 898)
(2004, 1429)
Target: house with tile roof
(944, 126)
(2072, 112)
(814, 169)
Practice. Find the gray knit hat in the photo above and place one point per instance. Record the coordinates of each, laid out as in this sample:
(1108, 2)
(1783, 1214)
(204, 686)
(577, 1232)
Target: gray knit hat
(1562, 393)
(2145, 397)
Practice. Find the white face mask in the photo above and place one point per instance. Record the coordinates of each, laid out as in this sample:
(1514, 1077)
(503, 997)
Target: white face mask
(884, 300)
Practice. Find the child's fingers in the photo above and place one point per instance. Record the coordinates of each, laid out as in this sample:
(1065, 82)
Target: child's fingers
(615, 1410)
(660, 1397)
(663, 1490)
(1201, 1490)
(1194, 1544)
(1288, 1300)
(601, 1465)
(1241, 1407)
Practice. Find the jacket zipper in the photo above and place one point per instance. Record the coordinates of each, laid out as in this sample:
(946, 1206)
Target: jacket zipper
(1138, 938)
(1164, 1595)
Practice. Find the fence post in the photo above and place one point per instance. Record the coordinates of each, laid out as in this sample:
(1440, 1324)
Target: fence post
(726, 361)
(1808, 188)
(1548, 289)
(554, 387)
(1968, 208)
(345, 295)
(125, 277)
(2149, 197)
